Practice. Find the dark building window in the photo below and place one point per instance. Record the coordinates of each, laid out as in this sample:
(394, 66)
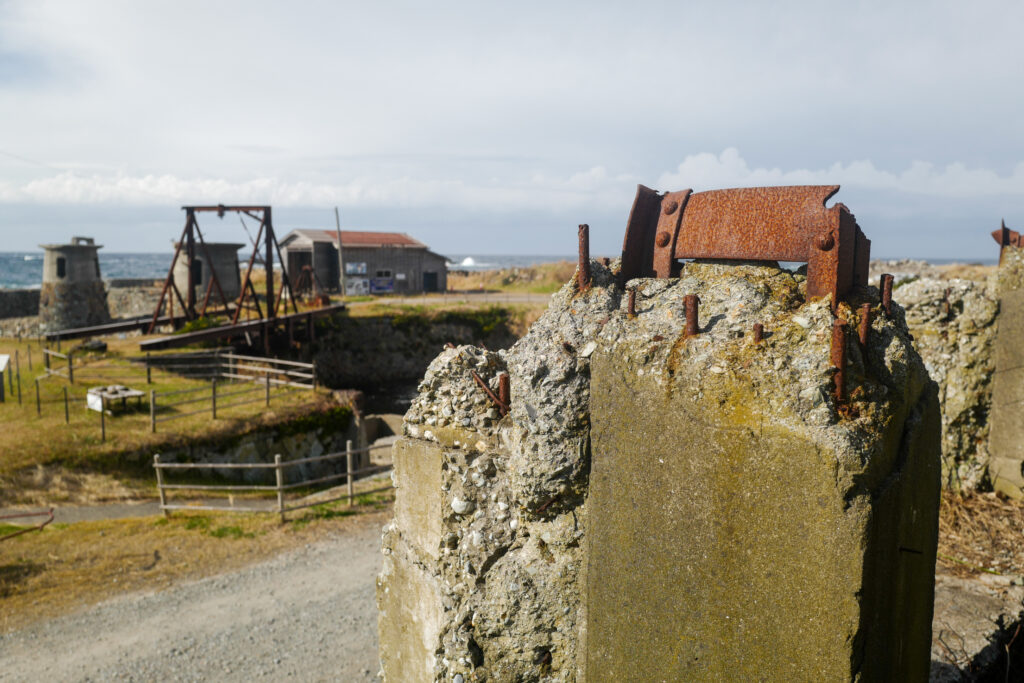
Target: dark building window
(383, 273)
(197, 272)
(62, 267)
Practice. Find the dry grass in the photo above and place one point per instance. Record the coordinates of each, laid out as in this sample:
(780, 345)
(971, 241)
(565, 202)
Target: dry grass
(544, 278)
(981, 533)
(66, 567)
(32, 445)
(966, 271)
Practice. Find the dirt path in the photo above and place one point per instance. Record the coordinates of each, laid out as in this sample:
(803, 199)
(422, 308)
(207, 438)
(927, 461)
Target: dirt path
(307, 615)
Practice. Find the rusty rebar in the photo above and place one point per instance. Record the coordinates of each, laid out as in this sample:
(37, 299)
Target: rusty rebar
(692, 303)
(504, 390)
(885, 285)
(583, 272)
(631, 307)
(502, 407)
(758, 333)
(865, 324)
(837, 355)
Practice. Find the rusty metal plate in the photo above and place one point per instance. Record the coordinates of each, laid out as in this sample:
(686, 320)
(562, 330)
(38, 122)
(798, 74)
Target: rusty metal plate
(750, 224)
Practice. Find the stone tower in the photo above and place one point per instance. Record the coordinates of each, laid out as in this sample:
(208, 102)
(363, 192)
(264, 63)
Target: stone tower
(72, 294)
(223, 260)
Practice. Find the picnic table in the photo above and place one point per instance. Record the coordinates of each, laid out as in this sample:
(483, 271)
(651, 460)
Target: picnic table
(96, 397)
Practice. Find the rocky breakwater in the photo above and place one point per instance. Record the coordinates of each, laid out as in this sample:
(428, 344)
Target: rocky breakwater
(656, 506)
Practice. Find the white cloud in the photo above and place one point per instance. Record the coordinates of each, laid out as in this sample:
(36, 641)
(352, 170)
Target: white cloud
(729, 169)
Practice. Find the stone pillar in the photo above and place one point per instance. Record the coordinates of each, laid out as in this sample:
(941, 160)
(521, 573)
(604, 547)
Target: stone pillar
(1006, 443)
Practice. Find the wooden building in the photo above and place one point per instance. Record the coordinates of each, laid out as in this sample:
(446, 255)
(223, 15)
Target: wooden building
(375, 262)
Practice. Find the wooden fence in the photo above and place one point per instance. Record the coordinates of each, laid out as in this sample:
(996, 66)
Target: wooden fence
(48, 365)
(280, 488)
(263, 373)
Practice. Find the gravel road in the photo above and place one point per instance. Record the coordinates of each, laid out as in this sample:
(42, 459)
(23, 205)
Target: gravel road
(308, 615)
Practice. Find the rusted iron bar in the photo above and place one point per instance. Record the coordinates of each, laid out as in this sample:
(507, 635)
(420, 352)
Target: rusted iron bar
(837, 355)
(865, 324)
(39, 527)
(631, 307)
(502, 407)
(885, 285)
(583, 271)
(504, 389)
(758, 333)
(692, 302)
(750, 224)
(945, 301)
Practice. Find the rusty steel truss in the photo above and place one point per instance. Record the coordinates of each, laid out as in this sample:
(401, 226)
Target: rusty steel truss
(191, 238)
(749, 224)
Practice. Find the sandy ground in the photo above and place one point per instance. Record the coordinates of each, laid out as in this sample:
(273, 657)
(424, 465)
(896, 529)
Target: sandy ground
(305, 615)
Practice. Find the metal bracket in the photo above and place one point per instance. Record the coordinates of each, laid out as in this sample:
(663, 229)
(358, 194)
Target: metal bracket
(748, 224)
(1005, 237)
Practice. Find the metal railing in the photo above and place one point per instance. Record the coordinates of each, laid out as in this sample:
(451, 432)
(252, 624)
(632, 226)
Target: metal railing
(38, 527)
(279, 487)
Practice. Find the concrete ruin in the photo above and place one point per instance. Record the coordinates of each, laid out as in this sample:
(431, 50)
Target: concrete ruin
(212, 258)
(72, 294)
(1006, 442)
(662, 507)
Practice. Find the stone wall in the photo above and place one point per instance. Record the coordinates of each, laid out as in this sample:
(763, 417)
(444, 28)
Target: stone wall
(656, 507)
(314, 435)
(19, 303)
(370, 352)
(76, 304)
(132, 298)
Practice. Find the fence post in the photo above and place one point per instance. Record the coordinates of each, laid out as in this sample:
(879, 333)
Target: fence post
(3, 398)
(348, 466)
(71, 369)
(103, 419)
(39, 409)
(152, 411)
(46, 359)
(30, 357)
(268, 388)
(149, 370)
(160, 485)
(17, 369)
(280, 483)
(213, 399)
(67, 415)
(10, 378)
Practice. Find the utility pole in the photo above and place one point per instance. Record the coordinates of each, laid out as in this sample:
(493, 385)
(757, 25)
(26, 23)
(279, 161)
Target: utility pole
(341, 260)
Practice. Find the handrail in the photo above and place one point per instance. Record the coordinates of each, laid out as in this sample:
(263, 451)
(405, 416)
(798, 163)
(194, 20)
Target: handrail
(39, 527)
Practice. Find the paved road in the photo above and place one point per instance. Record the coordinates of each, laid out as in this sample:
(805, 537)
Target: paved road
(308, 615)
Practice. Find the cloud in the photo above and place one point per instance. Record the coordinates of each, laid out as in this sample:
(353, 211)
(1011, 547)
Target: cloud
(706, 171)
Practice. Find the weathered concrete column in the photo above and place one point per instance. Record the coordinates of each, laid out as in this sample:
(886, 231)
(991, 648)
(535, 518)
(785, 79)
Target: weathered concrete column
(657, 506)
(743, 524)
(1006, 443)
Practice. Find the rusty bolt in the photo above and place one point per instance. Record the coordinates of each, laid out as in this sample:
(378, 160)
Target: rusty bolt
(662, 239)
(758, 333)
(692, 301)
(631, 307)
(671, 206)
(583, 272)
(825, 241)
(886, 286)
(504, 390)
(837, 355)
(865, 324)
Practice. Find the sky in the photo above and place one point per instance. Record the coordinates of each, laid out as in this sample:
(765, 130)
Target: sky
(497, 128)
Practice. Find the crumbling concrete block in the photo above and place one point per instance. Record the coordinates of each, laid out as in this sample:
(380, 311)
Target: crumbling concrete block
(652, 499)
(1007, 437)
(953, 323)
(743, 523)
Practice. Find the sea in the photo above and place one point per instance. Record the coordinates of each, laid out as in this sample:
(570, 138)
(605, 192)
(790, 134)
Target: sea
(24, 270)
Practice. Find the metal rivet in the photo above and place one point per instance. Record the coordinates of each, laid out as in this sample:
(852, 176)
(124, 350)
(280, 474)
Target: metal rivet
(670, 207)
(662, 239)
(825, 241)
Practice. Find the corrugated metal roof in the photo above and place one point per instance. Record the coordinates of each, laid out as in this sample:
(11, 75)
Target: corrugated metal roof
(358, 238)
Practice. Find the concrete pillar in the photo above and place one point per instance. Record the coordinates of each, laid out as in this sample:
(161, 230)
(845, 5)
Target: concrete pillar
(662, 507)
(1006, 443)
